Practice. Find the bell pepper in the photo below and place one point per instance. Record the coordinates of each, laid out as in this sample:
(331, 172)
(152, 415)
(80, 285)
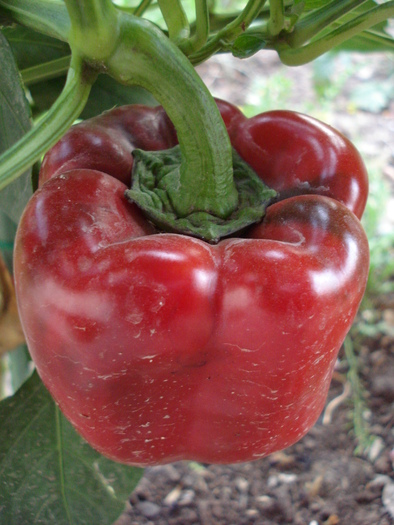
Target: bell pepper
(161, 346)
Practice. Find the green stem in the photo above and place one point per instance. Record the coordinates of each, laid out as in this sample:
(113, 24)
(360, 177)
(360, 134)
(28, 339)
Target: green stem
(309, 52)
(277, 20)
(379, 39)
(145, 57)
(94, 28)
(219, 21)
(319, 19)
(201, 32)
(45, 16)
(242, 22)
(230, 32)
(143, 6)
(202, 25)
(17, 159)
(175, 19)
(45, 71)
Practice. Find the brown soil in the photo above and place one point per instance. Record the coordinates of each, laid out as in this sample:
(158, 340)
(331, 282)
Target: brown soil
(320, 480)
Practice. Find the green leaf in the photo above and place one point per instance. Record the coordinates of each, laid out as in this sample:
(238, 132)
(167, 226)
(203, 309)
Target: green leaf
(14, 123)
(374, 39)
(48, 474)
(309, 5)
(31, 48)
(7, 235)
(46, 16)
(294, 12)
(364, 8)
(247, 45)
(45, 93)
(107, 93)
(368, 42)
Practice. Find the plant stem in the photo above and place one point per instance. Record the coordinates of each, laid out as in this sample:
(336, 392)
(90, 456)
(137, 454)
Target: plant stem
(46, 70)
(202, 25)
(140, 54)
(142, 7)
(309, 52)
(201, 32)
(230, 32)
(94, 28)
(23, 154)
(319, 19)
(277, 20)
(378, 38)
(175, 19)
(145, 57)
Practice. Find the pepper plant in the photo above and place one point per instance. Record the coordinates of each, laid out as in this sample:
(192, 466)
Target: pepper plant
(178, 268)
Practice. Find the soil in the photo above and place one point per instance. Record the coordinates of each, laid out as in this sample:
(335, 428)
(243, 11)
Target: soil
(330, 477)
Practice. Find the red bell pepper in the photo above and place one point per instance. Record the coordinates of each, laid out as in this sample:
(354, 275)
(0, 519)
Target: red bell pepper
(159, 346)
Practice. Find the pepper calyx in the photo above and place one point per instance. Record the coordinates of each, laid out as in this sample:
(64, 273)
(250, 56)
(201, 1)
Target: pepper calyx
(155, 180)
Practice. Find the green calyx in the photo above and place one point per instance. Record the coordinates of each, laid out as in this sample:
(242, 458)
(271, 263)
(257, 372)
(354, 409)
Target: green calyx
(154, 189)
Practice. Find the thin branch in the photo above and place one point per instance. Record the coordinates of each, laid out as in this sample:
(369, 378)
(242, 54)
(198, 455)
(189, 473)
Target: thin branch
(230, 32)
(46, 70)
(277, 20)
(302, 55)
(319, 19)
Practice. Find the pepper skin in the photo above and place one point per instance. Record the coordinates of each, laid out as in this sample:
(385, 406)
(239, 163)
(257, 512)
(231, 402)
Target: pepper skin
(160, 347)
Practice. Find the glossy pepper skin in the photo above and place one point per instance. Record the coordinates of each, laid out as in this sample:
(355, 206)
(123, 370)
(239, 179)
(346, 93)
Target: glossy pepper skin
(160, 347)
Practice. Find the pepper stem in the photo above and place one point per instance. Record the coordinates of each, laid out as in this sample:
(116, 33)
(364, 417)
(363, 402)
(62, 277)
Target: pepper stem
(204, 181)
(135, 51)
